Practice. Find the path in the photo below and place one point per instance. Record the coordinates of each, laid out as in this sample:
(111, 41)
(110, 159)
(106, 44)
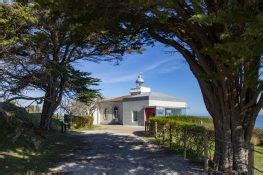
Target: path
(116, 149)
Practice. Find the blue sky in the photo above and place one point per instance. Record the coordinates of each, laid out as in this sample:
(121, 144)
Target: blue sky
(164, 70)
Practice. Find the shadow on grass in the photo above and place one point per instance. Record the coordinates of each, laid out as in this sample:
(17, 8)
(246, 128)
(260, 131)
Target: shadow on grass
(22, 157)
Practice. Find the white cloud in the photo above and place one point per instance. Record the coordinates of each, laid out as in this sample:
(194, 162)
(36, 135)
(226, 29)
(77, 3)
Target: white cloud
(119, 79)
(156, 65)
(169, 69)
(166, 68)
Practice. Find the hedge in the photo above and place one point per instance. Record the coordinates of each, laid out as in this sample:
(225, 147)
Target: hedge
(189, 118)
(79, 121)
(184, 135)
(257, 138)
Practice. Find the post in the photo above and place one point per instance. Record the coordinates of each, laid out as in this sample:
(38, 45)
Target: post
(206, 158)
(155, 129)
(170, 136)
(163, 135)
(185, 137)
(65, 127)
(69, 125)
(251, 160)
(145, 128)
(61, 125)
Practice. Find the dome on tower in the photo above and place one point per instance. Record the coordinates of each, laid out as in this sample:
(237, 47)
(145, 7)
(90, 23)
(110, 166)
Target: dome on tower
(139, 89)
(139, 80)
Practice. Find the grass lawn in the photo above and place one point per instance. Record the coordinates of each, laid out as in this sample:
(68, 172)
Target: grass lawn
(84, 129)
(22, 157)
(25, 159)
(259, 159)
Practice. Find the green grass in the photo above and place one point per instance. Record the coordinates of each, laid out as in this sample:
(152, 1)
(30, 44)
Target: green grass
(23, 157)
(259, 159)
(83, 129)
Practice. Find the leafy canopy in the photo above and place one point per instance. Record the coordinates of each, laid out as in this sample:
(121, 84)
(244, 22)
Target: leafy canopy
(43, 40)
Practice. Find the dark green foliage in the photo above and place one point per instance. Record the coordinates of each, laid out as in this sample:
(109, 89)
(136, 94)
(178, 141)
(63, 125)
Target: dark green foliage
(183, 132)
(191, 119)
(222, 43)
(50, 44)
(82, 122)
(194, 137)
(79, 122)
(163, 121)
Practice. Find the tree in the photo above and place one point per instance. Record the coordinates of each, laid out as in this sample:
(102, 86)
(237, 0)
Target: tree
(222, 42)
(43, 54)
(11, 29)
(86, 105)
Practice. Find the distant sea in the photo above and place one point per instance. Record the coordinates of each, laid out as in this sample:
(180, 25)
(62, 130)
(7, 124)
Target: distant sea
(259, 122)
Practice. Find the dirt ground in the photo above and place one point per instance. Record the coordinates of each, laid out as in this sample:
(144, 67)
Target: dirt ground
(117, 149)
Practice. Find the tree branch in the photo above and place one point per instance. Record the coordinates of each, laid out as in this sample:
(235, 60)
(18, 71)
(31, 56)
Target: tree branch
(24, 98)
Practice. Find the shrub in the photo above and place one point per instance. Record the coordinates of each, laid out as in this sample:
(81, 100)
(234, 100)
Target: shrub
(184, 135)
(257, 138)
(190, 119)
(82, 122)
(187, 131)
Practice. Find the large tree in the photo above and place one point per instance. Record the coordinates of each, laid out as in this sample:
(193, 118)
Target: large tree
(222, 42)
(42, 54)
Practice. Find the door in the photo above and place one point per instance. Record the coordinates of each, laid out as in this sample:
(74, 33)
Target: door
(149, 112)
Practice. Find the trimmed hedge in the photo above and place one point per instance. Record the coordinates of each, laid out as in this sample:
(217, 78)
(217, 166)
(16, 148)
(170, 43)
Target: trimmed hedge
(185, 135)
(186, 130)
(178, 123)
(257, 138)
(189, 118)
(79, 121)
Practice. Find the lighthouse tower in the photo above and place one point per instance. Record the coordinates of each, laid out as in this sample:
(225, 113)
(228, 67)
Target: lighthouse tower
(139, 89)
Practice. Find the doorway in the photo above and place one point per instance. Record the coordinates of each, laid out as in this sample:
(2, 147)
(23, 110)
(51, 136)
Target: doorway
(149, 112)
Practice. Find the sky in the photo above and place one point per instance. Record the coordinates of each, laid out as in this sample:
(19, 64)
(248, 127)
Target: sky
(163, 69)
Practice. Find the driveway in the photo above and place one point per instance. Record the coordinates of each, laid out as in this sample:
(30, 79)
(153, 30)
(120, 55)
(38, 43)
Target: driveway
(116, 149)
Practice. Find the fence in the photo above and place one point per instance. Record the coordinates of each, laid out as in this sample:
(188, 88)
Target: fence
(196, 144)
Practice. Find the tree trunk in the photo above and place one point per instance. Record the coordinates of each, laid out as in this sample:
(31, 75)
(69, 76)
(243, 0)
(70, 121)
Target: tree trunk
(50, 105)
(47, 113)
(233, 132)
(222, 161)
(231, 148)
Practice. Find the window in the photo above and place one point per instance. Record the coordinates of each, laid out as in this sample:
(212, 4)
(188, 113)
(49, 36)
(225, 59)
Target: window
(134, 116)
(173, 111)
(105, 114)
(115, 112)
(168, 112)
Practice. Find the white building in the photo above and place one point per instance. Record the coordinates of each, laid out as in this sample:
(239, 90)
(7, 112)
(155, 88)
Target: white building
(136, 108)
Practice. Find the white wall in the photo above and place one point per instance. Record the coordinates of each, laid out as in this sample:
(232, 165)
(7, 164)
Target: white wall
(110, 116)
(126, 109)
(168, 104)
(96, 117)
(129, 107)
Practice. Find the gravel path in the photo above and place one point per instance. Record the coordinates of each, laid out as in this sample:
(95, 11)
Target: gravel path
(115, 149)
